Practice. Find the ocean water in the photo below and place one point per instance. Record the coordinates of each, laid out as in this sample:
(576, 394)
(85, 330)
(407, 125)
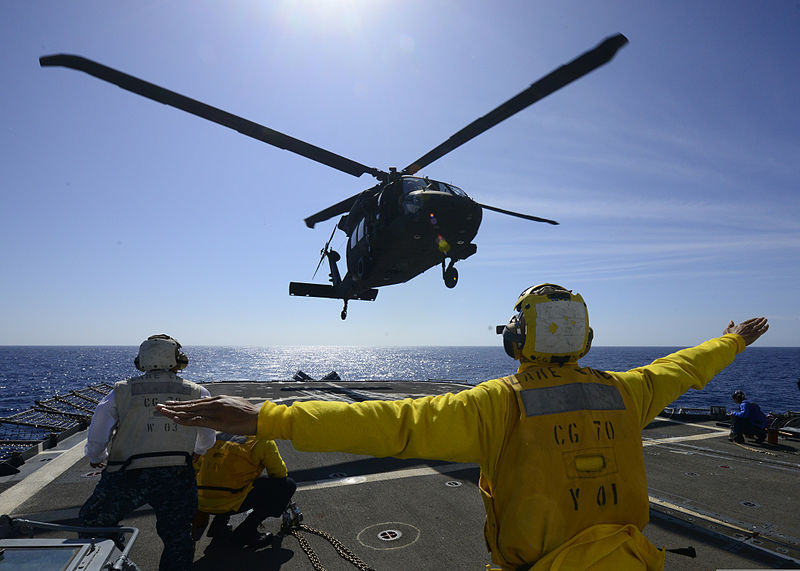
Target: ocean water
(767, 374)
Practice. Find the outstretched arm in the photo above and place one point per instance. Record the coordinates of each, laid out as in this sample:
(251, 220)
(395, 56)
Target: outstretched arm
(457, 428)
(665, 379)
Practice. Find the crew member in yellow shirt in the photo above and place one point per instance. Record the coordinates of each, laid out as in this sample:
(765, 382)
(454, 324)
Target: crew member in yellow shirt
(231, 480)
(559, 445)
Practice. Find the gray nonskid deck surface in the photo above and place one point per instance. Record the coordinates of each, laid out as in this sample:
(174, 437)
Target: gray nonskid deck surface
(734, 504)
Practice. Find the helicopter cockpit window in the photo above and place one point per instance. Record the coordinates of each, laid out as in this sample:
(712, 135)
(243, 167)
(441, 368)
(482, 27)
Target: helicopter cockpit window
(448, 188)
(410, 184)
(454, 189)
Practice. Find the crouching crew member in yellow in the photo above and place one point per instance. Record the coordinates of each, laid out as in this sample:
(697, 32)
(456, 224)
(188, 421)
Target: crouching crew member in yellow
(231, 480)
(558, 445)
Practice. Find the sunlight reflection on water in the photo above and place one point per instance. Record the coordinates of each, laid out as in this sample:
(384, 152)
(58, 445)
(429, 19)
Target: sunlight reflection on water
(28, 373)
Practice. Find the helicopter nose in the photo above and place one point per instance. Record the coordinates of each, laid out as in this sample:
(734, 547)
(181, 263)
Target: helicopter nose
(454, 217)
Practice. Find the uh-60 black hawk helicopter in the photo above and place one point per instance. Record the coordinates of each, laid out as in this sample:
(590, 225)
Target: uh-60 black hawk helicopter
(403, 225)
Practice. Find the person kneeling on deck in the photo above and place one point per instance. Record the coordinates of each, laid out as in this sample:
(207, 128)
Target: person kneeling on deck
(559, 446)
(749, 420)
(230, 480)
(149, 458)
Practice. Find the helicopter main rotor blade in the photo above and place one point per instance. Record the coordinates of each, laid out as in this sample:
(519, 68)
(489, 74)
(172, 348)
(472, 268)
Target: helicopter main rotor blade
(338, 208)
(243, 126)
(517, 214)
(553, 81)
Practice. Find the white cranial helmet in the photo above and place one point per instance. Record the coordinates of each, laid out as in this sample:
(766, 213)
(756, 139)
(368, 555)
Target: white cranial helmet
(160, 352)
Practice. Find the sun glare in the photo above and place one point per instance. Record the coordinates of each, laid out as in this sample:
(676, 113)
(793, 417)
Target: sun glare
(329, 17)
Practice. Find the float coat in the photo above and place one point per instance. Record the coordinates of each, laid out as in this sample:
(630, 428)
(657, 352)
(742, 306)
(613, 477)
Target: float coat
(478, 425)
(576, 439)
(144, 438)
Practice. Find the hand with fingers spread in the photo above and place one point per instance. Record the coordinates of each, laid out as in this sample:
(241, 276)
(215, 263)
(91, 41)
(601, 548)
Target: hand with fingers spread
(234, 415)
(749, 330)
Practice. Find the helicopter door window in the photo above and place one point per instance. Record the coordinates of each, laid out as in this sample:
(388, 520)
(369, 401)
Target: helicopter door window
(357, 234)
(360, 231)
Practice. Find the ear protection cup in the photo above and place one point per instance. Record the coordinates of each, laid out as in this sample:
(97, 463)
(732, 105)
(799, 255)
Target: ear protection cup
(589, 338)
(514, 336)
(180, 358)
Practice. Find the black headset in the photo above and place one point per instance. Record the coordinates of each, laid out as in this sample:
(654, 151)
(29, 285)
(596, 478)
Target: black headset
(513, 335)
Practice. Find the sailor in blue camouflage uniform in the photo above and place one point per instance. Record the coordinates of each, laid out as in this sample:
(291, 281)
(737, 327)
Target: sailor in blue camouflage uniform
(147, 457)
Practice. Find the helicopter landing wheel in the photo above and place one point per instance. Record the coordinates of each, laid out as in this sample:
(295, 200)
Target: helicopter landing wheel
(344, 311)
(450, 276)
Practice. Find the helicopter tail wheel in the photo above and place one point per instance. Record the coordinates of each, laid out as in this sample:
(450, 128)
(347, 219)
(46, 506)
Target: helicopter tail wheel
(450, 276)
(344, 311)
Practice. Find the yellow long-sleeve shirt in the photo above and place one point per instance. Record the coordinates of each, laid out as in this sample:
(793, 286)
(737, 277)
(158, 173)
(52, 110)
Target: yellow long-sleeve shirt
(424, 428)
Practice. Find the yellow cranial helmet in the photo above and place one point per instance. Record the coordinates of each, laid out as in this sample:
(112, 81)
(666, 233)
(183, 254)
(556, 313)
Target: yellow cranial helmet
(551, 325)
(160, 352)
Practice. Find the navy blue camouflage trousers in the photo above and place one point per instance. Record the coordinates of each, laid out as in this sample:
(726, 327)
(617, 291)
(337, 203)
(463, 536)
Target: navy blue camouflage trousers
(172, 493)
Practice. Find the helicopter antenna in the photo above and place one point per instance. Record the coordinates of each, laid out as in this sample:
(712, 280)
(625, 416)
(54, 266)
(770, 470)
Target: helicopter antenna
(553, 81)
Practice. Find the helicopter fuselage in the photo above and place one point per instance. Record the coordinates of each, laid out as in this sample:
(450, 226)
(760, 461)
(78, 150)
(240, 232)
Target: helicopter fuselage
(405, 227)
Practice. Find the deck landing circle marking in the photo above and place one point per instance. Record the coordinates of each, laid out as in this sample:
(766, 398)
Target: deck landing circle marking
(388, 535)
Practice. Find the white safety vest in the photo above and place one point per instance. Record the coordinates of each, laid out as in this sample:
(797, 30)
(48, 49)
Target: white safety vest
(144, 438)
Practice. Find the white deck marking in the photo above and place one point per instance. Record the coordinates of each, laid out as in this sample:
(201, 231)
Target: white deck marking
(34, 482)
(693, 513)
(715, 434)
(384, 476)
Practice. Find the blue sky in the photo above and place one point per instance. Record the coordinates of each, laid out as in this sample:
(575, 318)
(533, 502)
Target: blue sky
(673, 170)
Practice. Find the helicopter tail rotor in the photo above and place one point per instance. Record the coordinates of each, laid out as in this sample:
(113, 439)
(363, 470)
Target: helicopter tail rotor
(324, 252)
(339, 288)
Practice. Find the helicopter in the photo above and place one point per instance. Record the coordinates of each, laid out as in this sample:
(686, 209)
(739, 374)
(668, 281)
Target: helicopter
(405, 224)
